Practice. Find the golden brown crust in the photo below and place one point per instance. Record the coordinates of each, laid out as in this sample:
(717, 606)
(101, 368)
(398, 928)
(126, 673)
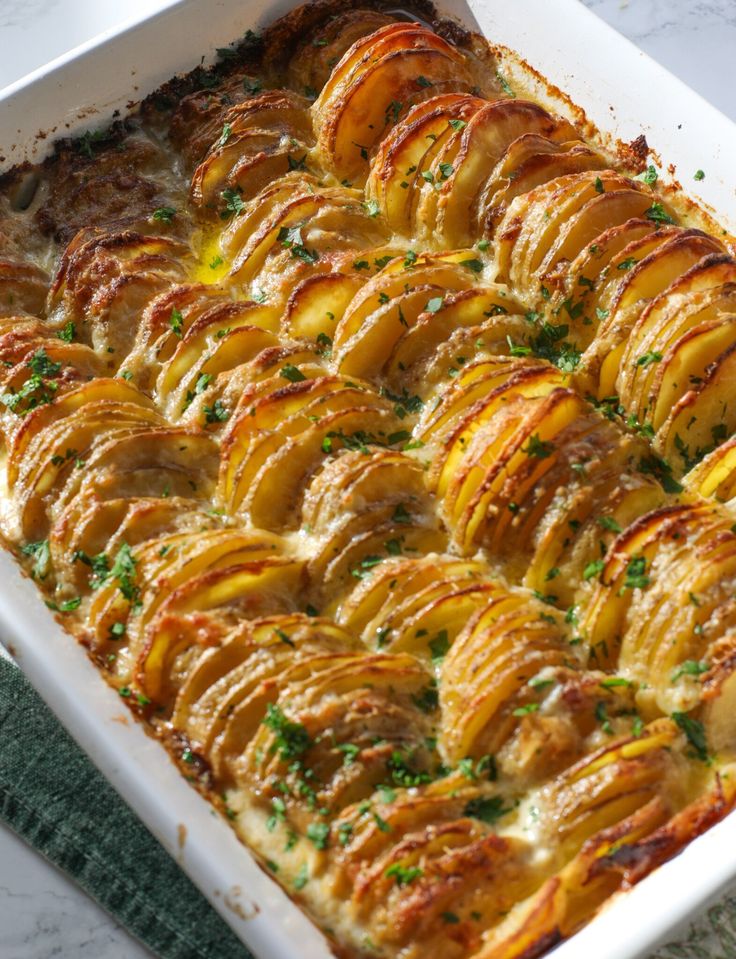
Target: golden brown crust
(400, 513)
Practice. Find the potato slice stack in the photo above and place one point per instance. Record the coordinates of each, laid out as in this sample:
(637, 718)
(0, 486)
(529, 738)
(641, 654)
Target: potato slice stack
(392, 488)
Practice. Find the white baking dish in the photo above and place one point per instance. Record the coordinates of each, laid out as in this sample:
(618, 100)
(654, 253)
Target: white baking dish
(622, 92)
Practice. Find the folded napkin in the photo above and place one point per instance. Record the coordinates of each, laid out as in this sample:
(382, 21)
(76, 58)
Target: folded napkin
(52, 796)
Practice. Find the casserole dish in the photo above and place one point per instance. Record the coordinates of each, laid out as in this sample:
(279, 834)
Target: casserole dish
(142, 785)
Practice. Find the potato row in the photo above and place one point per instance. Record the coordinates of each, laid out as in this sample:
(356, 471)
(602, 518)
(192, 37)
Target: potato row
(390, 491)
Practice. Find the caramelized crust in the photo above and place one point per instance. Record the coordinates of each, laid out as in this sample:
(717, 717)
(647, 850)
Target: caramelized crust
(372, 431)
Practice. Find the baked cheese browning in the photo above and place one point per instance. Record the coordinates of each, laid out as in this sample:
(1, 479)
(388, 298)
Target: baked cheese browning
(278, 439)
(317, 53)
(480, 155)
(669, 610)
(641, 835)
(23, 289)
(104, 279)
(529, 472)
(368, 427)
(262, 139)
(415, 302)
(655, 302)
(405, 61)
(119, 187)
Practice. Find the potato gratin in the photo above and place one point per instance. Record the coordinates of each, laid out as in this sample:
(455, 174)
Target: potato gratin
(374, 435)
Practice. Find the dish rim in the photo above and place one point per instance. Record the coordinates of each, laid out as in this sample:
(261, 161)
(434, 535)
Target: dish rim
(264, 917)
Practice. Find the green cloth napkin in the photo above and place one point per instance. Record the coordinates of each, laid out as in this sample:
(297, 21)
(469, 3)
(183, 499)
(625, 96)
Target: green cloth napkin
(55, 799)
(52, 796)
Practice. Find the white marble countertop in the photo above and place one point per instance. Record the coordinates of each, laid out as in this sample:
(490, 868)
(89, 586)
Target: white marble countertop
(42, 914)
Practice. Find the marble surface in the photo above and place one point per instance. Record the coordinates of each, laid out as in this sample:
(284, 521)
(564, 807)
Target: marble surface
(42, 914)
(694, 39)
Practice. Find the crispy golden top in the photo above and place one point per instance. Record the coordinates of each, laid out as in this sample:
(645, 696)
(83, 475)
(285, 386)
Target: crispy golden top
(373, 434)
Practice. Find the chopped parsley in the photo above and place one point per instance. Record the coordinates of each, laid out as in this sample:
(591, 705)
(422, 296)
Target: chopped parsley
(291, 239)
(297, 164)
(318, 833)
(601, 714)
(41, 554)
(203, 381)
(472, 264)
(526, 710)
(350, 751)
(627, 263)
(39, 388)
(402, 771)
(538, 448)
(694, 732)
(357, 441)
(89, 137)
(284, 637)
(657, 214)
(324, 342)
(517, 349)
(549, 345)
(636, 577)
(291, 739)
(100, 566)
(393, 111)
(661, 470)
(67, 606)
(486, 808)
(405, 402)
(646, 359)
(302, 877)
(176, 322)
(404, 875)
(124, 571)
(165, 214)
(649, 176)
(217, 413)
(233, 203)
(292, 373)
(68, 332)
(505, 85)
(41, 364)
(400, 514)
(439, 646)
(427, 699)
(690, 667)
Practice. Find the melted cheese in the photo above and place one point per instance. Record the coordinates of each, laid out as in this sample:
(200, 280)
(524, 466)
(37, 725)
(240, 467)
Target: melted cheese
(314, 445)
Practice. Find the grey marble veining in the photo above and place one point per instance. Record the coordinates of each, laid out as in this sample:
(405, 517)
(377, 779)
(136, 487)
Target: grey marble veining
(33, 32)
(42, 914)
(694, 39)
(640, 19)
(23, 13)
